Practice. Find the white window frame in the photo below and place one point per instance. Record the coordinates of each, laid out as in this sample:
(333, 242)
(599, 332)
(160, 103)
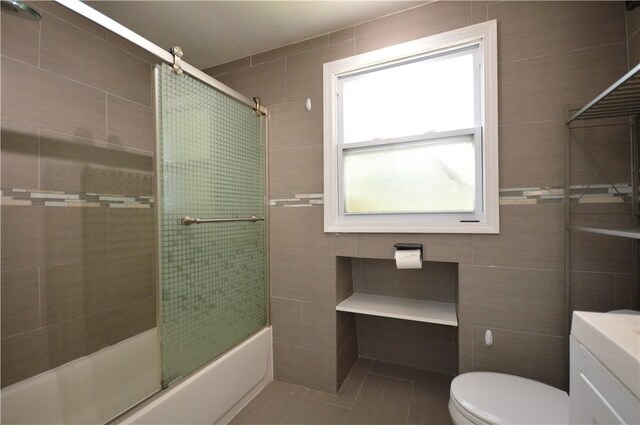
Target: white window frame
(485, 219)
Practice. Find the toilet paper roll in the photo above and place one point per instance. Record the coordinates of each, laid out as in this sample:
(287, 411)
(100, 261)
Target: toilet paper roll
(408, 259)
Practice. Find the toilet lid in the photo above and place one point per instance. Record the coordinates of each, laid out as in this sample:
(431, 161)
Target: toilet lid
(498, 398)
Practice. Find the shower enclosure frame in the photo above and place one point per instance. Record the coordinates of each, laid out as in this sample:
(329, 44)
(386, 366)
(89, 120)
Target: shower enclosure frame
(157, 163)
(168, 57)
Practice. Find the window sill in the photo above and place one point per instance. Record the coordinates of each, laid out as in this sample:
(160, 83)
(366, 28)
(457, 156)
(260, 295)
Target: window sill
(442, 228)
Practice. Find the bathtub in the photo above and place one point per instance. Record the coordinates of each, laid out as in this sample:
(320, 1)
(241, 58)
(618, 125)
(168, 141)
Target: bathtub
(218, 391)
(70, 394)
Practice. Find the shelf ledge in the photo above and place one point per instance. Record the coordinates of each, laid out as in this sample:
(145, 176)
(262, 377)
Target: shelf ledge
(633, 233)
(401, 308)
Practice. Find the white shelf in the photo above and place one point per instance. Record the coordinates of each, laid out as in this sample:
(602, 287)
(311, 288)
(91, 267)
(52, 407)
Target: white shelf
(401, 308)
(633, 233)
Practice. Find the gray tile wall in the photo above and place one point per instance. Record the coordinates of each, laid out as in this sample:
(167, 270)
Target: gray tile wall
(436, 281)
(76, 117)
(421, 345)
(633, 36)
(551, 54)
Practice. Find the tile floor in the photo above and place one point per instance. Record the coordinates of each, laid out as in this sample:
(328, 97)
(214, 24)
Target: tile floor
(374, 393)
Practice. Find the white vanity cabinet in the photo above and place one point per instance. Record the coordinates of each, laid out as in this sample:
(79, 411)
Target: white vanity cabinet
(605, 369)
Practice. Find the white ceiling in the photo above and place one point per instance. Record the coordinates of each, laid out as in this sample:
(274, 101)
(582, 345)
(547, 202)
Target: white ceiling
(215, 32)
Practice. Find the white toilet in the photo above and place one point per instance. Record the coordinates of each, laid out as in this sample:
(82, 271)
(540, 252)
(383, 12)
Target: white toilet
(496, 398)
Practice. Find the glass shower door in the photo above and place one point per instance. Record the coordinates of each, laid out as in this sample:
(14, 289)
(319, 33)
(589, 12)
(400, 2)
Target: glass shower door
(213, 279)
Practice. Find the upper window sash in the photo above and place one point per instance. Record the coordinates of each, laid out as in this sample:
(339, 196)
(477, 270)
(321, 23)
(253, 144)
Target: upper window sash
(483, 35)
(358, 97)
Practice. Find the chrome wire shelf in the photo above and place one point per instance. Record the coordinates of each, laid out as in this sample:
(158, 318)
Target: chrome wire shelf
(621, 99)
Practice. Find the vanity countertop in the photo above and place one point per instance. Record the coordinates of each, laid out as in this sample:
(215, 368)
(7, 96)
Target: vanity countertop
(614, 339)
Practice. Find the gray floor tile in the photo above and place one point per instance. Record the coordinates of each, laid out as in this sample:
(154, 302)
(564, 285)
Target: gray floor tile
(374, 393)
(382, 400)
(272, 405)
(393, 370)
(350, 388)
(430, 399)
(308, 411)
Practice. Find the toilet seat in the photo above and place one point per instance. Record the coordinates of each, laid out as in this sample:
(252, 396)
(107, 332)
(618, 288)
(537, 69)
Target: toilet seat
(461, 417)
(497, 399)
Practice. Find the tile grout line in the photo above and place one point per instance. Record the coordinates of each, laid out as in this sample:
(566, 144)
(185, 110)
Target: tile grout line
(58, 17)
(472, 365)
(350, 406)
(295, 147)
(61, 322)
(106, 117)
(39, 297)
(304, 301)
(278, 48)
(295, 54)
(353, 403)
(39, 165)
(108, 239)
(326, 403)
(39, 42)
(538, 269)
(491, 327)
(626, 26)
(413, 385)
(105, 39)
(114, 146)
(344, 420)
(67, 78)
(286, 85)
(302, 326)
(531, 122)
(152, 88)
(293, 407)
(626, 32)
(634, 34)
(391, 376)
(566, 52)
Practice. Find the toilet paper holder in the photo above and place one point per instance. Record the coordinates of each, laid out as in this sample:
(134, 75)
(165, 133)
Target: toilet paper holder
(403, 246)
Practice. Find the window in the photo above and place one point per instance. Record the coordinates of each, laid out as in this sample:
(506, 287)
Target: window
(411, 141)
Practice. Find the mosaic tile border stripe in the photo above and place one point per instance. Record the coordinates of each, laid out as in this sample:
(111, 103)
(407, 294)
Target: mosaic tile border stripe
(595, 194)
(50, 198)
(601, 194)
(297, 200)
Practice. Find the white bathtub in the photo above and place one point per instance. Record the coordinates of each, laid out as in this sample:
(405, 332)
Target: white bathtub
(218, 391)
(89, 390)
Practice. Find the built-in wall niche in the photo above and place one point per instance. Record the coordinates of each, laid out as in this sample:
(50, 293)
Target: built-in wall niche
(406, 317)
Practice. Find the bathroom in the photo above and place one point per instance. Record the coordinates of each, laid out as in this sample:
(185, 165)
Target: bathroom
(181, 242)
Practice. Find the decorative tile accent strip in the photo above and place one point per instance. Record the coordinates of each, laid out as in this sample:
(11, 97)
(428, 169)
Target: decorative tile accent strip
(297, 200)
(598, 193)
(508, 196)
(51, 198)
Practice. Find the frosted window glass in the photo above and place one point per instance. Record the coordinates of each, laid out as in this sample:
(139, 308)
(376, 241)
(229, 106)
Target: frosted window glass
(412, 98)
(421, 177)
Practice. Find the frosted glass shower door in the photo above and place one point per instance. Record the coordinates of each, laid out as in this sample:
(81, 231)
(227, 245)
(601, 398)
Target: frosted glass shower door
(211, 164)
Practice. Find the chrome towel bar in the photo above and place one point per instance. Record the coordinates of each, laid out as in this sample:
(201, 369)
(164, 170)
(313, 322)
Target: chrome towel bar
(187, 221)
